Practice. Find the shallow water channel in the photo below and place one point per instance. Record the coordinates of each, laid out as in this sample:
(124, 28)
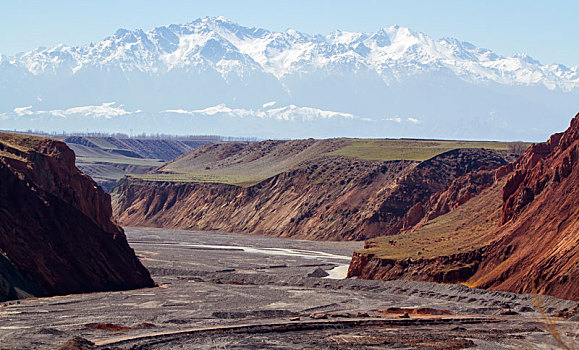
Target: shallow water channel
(338, 272)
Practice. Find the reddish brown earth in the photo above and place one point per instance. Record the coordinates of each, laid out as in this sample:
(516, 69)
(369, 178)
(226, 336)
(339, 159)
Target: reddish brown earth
(534, 239)
(415, 311)
(443, 269)
(458, 192)
(540, 215)
(57, 234)
(327, 198)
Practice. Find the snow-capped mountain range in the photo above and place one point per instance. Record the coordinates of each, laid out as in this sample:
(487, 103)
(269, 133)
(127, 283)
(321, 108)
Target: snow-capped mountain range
(215, 76)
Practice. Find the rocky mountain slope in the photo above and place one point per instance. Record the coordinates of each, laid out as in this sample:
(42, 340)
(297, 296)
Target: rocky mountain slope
(106, 159)
(516, 230)
(310, 189)
(57, 234)
(394, 52)
(212, 76)
(146, 148)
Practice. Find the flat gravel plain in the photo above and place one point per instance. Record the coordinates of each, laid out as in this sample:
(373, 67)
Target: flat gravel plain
(228, 291)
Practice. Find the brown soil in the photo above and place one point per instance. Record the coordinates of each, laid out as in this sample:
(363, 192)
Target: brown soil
(57, 234)
(538, 250)
(415, 311)
(324, 198)
(77, 343)
(108, 327)
(531, 241)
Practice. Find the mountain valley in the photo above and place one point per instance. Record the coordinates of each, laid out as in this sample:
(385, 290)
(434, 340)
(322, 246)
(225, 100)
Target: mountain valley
(296, 175)
(430, 211)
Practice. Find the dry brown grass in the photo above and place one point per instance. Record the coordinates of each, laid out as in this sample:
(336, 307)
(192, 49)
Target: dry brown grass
(456, 232)
(20, 141)
(551, 325)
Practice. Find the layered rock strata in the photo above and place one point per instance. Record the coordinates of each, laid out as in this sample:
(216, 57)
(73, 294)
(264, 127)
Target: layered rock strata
(327, 198)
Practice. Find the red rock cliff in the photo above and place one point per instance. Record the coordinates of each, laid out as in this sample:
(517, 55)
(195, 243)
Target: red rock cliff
(533, 247)
(57, 234)
(538, 249)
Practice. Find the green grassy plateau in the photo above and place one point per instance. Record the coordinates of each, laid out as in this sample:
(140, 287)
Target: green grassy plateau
(252, 163)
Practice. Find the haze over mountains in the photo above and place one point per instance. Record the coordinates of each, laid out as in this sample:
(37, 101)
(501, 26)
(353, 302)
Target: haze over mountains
(213, 76)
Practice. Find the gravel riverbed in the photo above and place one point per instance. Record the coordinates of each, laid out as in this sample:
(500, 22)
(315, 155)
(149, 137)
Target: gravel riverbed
(231, 291)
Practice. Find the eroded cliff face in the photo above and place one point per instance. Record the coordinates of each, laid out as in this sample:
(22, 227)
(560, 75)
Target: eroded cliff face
(534, 242)
(330, 198)
(445, 269)
(440, 184)
(539, 237)
(304, 203)
(57, 234)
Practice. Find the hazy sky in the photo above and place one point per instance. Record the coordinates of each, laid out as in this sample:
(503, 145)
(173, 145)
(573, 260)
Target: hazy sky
(546, 30)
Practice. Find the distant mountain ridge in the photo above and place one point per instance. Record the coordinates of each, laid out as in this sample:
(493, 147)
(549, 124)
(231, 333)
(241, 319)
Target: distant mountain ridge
(394, 53)
(377, 78)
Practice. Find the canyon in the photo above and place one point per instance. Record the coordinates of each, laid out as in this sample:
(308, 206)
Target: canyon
(450, 212)
(467, 214)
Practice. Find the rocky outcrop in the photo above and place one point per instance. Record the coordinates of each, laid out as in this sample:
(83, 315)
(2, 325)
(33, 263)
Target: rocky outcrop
(328, 198)
(539, 237)
(407, 202)
(458, 192)
(446, 269)
(57, 234)
(533, 246)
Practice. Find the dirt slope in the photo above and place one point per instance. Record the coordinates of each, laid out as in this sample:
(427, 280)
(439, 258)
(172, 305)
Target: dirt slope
(162, 149)
(540, 216)
(298, 189)
(527, 241)
(108, 159)
(57, 234)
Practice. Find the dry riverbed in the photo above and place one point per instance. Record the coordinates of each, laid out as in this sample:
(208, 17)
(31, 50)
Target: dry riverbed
(232, 291)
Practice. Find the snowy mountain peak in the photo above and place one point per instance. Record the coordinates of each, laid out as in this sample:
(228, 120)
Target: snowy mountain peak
(215, 76)
(216, 43)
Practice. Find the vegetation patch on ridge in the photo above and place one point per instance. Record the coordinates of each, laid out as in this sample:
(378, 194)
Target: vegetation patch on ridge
(246, 164)
(408, 149)
(453, 233)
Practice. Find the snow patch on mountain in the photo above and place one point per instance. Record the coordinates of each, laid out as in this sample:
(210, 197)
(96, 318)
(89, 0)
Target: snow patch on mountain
(394, 53)
(391, 83)
(106, 110)
(287, 113)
